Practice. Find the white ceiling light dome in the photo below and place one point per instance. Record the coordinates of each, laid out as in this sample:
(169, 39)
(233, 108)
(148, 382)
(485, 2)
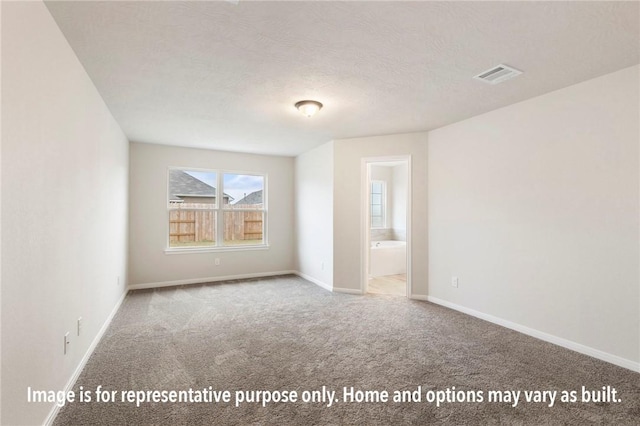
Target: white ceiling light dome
(309, 108)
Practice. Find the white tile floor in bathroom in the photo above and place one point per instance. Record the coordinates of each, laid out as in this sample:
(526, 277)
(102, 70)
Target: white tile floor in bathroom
(389, 284)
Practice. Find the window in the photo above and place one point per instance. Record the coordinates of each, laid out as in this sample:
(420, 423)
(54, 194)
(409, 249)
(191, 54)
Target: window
(244, 217)
(201, 216)
(378, 204)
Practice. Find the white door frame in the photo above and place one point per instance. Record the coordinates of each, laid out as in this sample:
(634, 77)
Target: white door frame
(365, 220)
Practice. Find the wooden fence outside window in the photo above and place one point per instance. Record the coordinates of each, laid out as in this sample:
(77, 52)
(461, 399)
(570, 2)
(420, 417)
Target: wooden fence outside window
(195, 223)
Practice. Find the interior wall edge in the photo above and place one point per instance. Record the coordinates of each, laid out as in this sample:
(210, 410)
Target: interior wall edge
(83, 362)
(315, 281)
(559, 341)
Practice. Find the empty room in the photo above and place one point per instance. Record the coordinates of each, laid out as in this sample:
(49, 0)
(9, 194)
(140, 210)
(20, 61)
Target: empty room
(314, 212)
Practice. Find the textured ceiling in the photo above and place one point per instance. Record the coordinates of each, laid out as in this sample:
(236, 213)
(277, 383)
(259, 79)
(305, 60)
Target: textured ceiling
(224, 76)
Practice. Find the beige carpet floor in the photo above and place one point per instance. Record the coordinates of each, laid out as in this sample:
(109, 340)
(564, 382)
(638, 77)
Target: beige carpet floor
(286, 334)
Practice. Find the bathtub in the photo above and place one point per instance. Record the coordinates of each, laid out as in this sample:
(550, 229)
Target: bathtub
(388, 258)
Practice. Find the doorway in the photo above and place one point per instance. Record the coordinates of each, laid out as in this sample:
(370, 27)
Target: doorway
(386, 232)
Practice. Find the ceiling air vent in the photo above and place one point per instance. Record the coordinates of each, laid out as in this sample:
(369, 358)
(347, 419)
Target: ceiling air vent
(498, 74)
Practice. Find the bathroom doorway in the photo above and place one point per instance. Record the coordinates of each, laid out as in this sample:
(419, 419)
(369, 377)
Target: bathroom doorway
(386, 214)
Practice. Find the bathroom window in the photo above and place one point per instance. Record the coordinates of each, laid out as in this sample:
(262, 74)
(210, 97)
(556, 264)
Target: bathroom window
(378, 204)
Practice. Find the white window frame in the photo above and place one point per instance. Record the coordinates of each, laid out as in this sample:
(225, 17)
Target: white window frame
(219, 211)
(383, 204)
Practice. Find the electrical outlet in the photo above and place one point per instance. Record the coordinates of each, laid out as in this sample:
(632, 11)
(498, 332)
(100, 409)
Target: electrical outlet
(217, 261)
(454, 282)
(66, 342)
(322, 266)
(79, 325)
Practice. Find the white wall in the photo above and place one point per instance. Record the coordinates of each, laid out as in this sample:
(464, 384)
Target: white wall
(148, 217)
(348, 254)
(535, 208)
(64, 204)
(314, 214)
(399, 201)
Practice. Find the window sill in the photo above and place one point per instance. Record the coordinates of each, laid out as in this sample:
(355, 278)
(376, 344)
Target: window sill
(187, 250)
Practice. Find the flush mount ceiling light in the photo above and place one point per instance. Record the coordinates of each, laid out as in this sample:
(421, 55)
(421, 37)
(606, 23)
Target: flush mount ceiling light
(308, 108)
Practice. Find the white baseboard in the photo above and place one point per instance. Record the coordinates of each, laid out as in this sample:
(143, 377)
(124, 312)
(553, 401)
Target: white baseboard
(347, 290)
(419, 297)
(83, 362)
(578, 347)
(315, 281)
(207, 280)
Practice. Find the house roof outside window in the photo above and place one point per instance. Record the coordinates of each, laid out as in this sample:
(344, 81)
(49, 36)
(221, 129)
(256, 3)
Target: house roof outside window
(253, 198)
(182, 185)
